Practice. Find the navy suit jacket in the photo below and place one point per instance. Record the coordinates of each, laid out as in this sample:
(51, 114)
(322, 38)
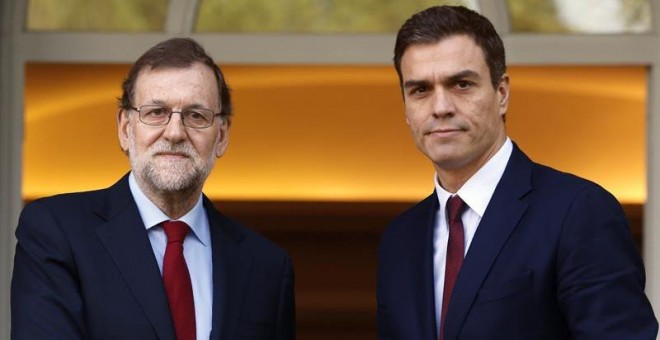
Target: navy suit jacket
(552, 258)
(84, 269)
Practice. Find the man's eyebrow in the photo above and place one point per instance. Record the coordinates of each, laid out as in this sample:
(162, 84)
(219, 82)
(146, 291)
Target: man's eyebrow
(415, 83)
(195, 106)
(462, 75)
(161, 102)
(156, 102)
(449, 80)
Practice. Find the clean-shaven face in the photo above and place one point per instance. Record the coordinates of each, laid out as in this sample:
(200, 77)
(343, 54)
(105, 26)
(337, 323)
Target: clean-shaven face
(454, 113)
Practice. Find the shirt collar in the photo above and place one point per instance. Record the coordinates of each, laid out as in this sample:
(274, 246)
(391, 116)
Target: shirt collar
(478, 190)
(152, 216)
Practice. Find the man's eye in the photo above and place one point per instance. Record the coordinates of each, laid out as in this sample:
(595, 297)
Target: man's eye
(157, 112)
(419, 90)
(463, 84)
(195, 115)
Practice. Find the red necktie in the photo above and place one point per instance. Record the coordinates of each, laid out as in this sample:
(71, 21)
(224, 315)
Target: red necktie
(177, 281)
(455, 246)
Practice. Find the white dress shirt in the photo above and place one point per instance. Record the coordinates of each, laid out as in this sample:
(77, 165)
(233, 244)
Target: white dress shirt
(476, 193)
(196, 251)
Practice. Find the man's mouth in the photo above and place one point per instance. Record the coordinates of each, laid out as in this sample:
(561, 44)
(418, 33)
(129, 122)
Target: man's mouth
(172, 155)
(444, 132)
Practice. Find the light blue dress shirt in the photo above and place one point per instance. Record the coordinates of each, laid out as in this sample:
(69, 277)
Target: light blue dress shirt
(196, 251)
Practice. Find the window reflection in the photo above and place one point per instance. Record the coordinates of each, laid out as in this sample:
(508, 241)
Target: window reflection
(584, 16)
(96, 15)
(311, 16)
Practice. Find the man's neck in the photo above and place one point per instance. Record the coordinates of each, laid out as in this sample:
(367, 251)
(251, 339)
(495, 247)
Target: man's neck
(173, 204)
(453, 179)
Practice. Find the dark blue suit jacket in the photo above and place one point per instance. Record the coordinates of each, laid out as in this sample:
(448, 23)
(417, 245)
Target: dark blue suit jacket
(84, 269)
(552, 258)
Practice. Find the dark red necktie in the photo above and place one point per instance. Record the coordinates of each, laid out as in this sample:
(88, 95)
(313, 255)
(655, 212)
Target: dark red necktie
(177, 281)
(455, 251)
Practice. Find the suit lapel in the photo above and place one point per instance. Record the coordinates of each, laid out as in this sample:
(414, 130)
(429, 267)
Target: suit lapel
(421, 262)
(125, 238)
(504, 211)
(231, 271)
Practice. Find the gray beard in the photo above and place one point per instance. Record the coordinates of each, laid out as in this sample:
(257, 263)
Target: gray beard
(171, 177)
(176, 178)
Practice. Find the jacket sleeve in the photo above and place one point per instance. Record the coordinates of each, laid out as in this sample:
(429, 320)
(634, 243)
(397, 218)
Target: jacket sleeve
(45, 296)
(600, 273)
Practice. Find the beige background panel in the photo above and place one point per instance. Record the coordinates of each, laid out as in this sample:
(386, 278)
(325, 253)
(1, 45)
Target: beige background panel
(336, 132)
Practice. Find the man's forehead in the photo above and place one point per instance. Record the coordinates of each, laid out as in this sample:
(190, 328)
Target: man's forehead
(195, 74)
(160, 69)
(452, 53)
(454, 42)
(162, 85)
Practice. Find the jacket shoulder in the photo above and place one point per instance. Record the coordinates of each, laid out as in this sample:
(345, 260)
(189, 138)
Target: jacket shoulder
(255, 242)
(63, 207)
(556, 183)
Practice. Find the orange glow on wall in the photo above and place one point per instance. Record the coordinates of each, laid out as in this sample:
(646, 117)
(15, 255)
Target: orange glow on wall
(336, 132)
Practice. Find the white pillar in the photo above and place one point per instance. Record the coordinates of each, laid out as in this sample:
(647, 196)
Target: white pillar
(11, 136)
(651, 244)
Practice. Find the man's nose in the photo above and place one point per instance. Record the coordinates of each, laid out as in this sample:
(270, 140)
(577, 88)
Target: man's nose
(443, 103)
(175, 130)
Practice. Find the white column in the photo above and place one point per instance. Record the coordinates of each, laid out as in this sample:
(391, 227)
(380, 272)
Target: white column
(651, 231)
(651, 244)
(11, 136)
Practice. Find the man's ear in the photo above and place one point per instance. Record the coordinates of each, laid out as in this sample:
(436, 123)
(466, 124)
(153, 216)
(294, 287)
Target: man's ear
(122, 129)
(223, 139)
(503, 91)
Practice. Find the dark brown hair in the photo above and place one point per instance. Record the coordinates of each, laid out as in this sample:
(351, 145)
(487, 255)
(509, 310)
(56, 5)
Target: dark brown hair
(436, 23)
(176, 53)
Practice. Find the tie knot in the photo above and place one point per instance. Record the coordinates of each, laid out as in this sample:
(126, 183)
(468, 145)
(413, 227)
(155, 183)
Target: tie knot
(455, 207)
(176, 231)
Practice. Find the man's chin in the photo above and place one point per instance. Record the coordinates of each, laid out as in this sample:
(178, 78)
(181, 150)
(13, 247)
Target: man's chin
(171, 183)
(447, 161)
